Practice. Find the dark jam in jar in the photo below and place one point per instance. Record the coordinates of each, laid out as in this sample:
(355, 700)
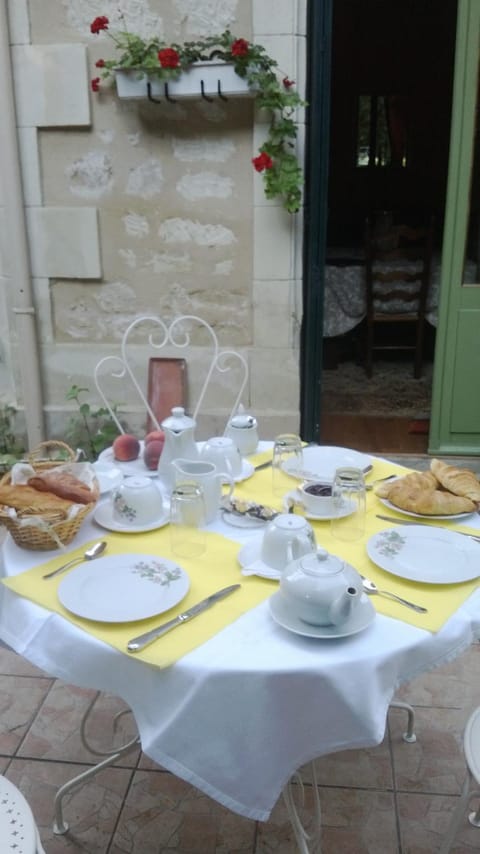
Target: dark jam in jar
(323, 489)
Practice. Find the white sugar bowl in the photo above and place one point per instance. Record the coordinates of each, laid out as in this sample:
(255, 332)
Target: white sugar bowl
(321, 589)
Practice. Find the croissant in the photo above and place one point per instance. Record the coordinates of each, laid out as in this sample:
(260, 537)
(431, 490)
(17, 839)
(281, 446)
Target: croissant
(63, 484)
(457, 480)
(428, 502)
(422, 480)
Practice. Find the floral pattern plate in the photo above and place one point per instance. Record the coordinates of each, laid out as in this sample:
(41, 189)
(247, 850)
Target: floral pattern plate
(122, 588)
(427, 554)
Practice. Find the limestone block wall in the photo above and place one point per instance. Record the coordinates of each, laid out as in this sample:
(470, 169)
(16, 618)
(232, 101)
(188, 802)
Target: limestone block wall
(134, 208)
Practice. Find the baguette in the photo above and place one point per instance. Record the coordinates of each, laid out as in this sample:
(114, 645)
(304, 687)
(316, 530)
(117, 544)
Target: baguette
(27, 500)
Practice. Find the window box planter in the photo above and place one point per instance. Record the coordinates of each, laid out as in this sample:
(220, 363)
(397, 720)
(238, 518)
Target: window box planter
(209, 79)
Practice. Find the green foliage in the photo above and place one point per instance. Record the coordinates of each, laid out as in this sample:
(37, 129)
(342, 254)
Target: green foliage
(91, 429)
(11, 449)
(283, 177)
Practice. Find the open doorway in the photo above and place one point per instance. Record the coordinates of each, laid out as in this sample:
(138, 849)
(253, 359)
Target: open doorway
(391, 95)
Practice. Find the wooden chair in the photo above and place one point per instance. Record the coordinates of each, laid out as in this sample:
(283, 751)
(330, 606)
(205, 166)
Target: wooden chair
(397, 274)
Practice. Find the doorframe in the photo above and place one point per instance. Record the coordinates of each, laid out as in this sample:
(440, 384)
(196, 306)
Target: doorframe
(317, 135)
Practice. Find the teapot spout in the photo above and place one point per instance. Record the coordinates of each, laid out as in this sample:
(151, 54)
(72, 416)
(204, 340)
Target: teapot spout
(343, 607)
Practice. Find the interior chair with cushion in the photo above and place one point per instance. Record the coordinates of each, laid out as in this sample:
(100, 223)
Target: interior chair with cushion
(471, 747)
(397, 274)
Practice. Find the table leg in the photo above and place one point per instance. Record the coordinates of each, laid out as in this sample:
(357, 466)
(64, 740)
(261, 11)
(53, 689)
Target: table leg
(60, 826)
(301, 836)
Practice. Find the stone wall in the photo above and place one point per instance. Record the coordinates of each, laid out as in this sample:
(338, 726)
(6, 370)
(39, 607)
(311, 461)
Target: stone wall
(134, 208)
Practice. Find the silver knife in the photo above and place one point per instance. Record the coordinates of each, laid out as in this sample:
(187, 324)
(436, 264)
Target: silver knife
(138, 643)
(424, 525)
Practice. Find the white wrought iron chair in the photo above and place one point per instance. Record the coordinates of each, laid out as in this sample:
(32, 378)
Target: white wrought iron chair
(471, 747)
(18, 830)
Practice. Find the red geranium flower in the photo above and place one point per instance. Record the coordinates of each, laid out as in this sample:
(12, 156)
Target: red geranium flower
(287, 83)
(239, 47)
(168, 58)
(100, 23)
(263, 161)
(100, 63)
(95, 84)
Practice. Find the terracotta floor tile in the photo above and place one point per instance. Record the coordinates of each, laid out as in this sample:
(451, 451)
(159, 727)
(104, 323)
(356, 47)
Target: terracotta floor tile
(454, 684)
(424, 819)
(435, 762)
(368, 768)
(91, 811)
(164, 814)
(20, 699)
(55, 732)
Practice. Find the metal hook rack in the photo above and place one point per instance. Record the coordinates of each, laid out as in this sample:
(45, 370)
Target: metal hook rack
(171, 100)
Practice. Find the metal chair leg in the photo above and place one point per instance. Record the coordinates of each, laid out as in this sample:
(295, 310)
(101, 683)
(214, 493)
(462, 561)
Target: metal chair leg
(408, 736)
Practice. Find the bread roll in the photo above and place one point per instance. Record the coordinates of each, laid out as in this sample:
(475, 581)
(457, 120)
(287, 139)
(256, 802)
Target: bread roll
(457, 480)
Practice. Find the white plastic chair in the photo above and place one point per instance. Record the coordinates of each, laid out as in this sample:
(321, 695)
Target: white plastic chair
(471, 747)
(18, 831)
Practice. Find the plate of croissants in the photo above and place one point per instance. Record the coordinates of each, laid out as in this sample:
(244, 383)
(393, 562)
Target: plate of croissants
(443, 492)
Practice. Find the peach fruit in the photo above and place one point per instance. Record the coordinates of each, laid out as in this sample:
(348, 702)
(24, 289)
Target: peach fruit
(154, 436)
(152, 453)
(126, 448)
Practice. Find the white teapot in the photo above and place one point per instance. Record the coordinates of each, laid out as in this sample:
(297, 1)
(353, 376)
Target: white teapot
(321, 589)
(179, 442)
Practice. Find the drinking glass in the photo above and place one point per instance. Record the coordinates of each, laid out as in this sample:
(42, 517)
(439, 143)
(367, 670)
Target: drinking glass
(349, 504)
(287, 456)
(187, 520)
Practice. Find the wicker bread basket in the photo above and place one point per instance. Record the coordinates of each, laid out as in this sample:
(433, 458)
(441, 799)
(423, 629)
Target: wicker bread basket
(55, 531)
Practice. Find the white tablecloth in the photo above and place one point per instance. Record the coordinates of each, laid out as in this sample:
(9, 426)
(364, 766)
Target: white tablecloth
(239, 715)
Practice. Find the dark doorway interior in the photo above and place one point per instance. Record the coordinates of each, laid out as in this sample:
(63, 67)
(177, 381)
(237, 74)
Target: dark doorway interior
(391, 94)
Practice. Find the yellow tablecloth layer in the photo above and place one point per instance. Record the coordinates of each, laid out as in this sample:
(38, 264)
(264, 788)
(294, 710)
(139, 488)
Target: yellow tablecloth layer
(441, 600)
(217, 568)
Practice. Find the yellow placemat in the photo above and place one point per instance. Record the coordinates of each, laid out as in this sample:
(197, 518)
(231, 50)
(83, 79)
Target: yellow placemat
(217, 568)
(440, 600)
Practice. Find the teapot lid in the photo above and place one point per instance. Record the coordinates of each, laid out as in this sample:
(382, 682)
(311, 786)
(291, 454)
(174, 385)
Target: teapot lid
(178, 421)
(242, 419)
(321, 563)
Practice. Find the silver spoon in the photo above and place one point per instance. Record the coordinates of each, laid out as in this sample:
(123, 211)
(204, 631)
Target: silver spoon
(371, 588)
(94, 551)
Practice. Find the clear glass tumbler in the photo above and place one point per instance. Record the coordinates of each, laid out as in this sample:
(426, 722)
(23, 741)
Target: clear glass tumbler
(349, 504)
(287, 457)
(187, 520)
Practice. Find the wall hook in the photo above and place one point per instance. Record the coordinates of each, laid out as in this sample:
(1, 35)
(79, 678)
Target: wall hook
(204, 95)
(167, 95)
(219, 91)
(150, 96)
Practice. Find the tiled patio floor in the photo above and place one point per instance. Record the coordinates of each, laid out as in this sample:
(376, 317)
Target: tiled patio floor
(393, 799)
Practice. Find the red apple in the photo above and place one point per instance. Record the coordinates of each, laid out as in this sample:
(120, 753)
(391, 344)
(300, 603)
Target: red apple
(126, 448)
(154, 436)
(152, 453)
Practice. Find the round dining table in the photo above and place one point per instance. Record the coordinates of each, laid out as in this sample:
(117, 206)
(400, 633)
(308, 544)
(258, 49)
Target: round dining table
(237, 716)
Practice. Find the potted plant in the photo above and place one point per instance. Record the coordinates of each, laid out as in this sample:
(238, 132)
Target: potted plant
(156, 62)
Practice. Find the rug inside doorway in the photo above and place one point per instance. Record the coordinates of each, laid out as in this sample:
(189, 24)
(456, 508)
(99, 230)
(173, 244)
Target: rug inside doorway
(391, 391)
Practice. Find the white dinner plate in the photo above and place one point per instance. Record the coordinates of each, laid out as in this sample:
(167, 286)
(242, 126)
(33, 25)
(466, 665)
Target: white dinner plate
(295, 495)
(249, 559)
(132, 467)
(391, 506)
(122, 588)
(424, 553)
(103, 515)
(321, 461)
(243, 521)
(362, 617)
(108, 476)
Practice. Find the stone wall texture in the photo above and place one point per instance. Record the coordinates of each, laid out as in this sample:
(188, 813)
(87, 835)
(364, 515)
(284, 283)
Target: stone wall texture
(134, 208)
